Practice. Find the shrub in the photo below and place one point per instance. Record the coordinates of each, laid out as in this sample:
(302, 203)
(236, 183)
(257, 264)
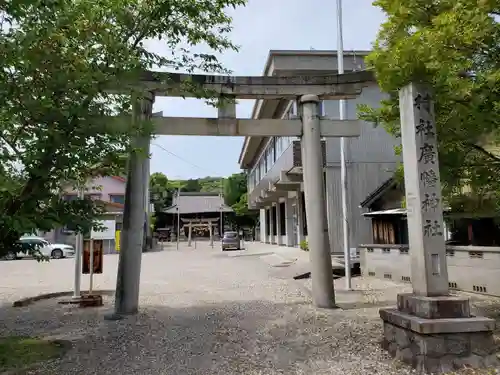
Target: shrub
(304, 245)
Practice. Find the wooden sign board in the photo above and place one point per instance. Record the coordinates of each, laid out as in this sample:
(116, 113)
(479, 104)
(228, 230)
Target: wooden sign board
(98, 256)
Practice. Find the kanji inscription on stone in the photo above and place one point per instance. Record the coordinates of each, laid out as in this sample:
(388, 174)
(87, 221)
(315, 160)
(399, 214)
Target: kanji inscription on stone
(432, 228)
(429, 178)
(430, 202)
(425, 129)
(423, 101)
(427, 154)
(423, 191)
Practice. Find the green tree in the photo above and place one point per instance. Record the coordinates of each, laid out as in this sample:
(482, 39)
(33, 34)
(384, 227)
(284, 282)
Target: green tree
(211, 184)
(453, 46)
(236, 196)
(58, 58)
(244, 216)
(159, 191)
(191, 185)
(234, 187)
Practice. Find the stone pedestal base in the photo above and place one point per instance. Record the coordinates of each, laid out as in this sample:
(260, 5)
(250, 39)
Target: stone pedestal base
(91, 300)
(438, 334)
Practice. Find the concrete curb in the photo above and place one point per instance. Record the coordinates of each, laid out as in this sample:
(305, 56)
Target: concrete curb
(29, 300)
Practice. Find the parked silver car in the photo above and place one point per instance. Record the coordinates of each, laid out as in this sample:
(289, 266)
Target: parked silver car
(231, 240)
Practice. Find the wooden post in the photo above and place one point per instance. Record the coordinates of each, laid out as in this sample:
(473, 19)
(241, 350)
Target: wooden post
(211, 234)
(190, 231)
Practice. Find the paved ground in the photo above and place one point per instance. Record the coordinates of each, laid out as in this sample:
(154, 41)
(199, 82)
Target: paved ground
(204, 312)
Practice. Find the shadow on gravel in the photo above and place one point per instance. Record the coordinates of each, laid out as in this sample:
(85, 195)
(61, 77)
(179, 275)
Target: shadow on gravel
(256, 337)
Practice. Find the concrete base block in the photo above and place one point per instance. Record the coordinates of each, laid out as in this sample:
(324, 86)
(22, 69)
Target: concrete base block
(439, 345)
(434, 307)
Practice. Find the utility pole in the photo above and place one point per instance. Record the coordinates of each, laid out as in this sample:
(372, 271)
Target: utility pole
(343, 152)
(221, 207)
(78, 255)
(178, 216)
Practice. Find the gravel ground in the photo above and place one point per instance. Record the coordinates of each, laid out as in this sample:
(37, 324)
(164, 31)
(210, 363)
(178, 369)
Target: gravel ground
(203, 312)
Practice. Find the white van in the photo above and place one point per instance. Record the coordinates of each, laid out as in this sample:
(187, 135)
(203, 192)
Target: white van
(56, 251)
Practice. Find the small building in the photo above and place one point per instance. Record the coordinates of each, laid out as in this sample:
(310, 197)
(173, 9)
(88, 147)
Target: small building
(109, 190)
(384, 207)
(199, 208)
(472, 243)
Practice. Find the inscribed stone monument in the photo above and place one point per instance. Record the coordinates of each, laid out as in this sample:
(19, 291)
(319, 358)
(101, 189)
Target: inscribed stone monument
(423, 192)
(430, 330)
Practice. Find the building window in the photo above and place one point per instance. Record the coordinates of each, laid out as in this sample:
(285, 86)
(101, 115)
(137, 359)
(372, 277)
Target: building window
(251, 180)
(282, 218)
(273, 149)
(94, 196)
(117, 198)
(275, 224)
(278, 141)
(269, 159)
(304, 216)
(267, 212)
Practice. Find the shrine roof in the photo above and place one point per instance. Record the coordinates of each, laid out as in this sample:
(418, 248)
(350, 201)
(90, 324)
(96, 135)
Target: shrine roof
(379, 192)
(199, 202)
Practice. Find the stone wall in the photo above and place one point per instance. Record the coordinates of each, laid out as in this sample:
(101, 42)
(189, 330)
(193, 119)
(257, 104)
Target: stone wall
(470, 268)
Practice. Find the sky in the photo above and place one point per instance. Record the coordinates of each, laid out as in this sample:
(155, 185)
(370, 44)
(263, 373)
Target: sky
(257, 28)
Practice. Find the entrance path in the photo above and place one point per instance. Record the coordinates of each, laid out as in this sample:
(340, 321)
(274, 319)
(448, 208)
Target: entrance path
(202, 312)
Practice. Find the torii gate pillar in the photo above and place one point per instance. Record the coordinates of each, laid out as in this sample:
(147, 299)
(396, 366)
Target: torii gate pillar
(319, 244)
(211, 231)
(129, 265)
(190, 233)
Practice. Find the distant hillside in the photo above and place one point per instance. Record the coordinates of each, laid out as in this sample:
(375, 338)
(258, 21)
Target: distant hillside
(211, 184)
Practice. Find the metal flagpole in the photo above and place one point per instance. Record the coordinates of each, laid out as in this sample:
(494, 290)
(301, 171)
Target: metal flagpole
(221, 207)
(343, 150)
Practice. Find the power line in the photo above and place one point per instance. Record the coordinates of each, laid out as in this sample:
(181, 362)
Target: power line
(184, 160)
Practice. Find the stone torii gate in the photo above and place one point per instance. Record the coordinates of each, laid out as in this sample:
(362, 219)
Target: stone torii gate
(203, 223)
(308, 91)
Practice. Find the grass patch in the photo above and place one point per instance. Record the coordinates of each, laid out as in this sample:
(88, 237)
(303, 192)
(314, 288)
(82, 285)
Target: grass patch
(17, 352)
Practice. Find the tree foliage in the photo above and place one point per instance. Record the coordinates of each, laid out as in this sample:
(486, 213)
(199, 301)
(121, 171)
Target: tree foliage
(58, 59)
(236, 196)
(191, 185)
(159, 191)
(234, 187)
(453, 45)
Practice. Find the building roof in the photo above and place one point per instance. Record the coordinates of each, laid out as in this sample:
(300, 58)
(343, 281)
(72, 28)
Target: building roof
(379, 192)
(392, 211)
(404, 212)
(198, 202)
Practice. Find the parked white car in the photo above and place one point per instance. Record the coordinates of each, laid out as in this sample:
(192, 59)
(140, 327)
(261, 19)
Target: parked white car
(47, 249)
